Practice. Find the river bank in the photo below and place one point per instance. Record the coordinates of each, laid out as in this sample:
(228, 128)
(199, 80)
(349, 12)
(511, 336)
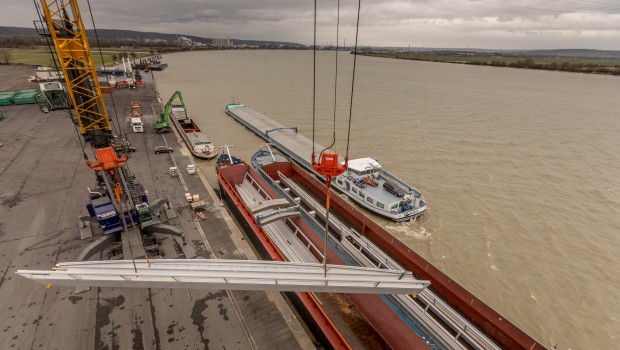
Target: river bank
(606, 66)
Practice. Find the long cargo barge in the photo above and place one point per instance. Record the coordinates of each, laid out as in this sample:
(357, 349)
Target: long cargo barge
(443, 289)
(238, 182)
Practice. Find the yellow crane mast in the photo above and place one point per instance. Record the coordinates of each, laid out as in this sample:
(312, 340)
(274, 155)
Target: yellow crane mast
(67, 31)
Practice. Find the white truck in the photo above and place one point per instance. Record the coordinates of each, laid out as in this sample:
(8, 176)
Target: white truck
(44, 74)
(136, 124)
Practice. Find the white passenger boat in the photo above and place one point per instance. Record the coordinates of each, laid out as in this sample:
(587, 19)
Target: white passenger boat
(369, 185)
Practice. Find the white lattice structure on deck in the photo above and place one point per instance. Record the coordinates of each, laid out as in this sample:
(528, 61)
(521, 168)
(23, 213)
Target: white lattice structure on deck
(228, 274)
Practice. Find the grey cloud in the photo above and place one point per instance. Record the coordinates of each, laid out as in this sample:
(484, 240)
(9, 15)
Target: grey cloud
(438, 23)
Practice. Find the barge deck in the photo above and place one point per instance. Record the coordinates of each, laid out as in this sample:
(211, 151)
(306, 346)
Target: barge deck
(296, 240)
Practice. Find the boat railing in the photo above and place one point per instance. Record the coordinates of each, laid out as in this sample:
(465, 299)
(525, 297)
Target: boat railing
(297, 232)
(250, 185)
(256, 186)
(472, 335)
(389, 176)
(294, 128)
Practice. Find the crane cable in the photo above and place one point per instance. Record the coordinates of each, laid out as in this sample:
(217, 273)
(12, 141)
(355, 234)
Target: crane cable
(314, 81)
(357, 28)
(328, 176)
(335, 80)
(104, 67)
(328, 193)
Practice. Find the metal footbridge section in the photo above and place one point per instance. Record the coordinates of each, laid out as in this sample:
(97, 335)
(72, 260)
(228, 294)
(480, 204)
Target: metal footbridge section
(365, 253)
(227, 274)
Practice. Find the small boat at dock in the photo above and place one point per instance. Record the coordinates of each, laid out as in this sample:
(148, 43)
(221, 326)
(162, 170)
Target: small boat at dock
(225, 158)
(197, 142)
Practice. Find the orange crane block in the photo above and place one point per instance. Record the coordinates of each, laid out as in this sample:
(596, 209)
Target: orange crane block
(107, 159)
(329, 165)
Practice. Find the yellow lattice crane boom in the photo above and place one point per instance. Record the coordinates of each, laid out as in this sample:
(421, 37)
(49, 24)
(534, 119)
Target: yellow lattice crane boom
(67, 31)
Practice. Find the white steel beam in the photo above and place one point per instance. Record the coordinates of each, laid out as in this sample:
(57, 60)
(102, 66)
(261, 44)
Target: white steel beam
(228, 274)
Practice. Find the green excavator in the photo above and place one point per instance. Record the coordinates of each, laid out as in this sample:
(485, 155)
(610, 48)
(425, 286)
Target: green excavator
(162, 125)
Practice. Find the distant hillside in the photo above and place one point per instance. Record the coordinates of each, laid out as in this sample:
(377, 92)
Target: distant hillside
(558, 53)
(579, 53)
(140, 37)
(17, 31)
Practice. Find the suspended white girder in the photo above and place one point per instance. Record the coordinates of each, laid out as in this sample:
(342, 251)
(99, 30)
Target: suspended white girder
(228, 274)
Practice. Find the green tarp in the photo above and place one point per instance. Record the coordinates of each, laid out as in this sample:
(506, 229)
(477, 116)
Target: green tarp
(23, 97)
(6, 98)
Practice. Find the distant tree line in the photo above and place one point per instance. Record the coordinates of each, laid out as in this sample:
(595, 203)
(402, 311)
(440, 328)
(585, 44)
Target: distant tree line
(21, 40)
(15, 41)
(524, 62)
(530, 63)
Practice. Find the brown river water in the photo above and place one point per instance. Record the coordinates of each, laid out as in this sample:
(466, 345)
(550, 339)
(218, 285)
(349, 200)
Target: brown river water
(520, 168)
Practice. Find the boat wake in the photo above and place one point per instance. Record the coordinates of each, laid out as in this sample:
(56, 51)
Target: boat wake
(410, 230)
(492, 265)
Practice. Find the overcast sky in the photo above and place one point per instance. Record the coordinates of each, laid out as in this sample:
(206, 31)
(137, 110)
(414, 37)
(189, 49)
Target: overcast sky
(495, 24)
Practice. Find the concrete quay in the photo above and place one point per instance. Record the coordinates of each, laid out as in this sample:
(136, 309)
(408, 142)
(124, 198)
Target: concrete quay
(43, 188)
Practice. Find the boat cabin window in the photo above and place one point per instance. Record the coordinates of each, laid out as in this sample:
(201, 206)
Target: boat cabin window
(362, 195)
(380, 205)
(369, 199)
(394, 206)
(340, 181)
(354, 190)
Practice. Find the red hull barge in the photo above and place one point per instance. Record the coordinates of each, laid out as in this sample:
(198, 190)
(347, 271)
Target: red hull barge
(390, 326)
(484, 317)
